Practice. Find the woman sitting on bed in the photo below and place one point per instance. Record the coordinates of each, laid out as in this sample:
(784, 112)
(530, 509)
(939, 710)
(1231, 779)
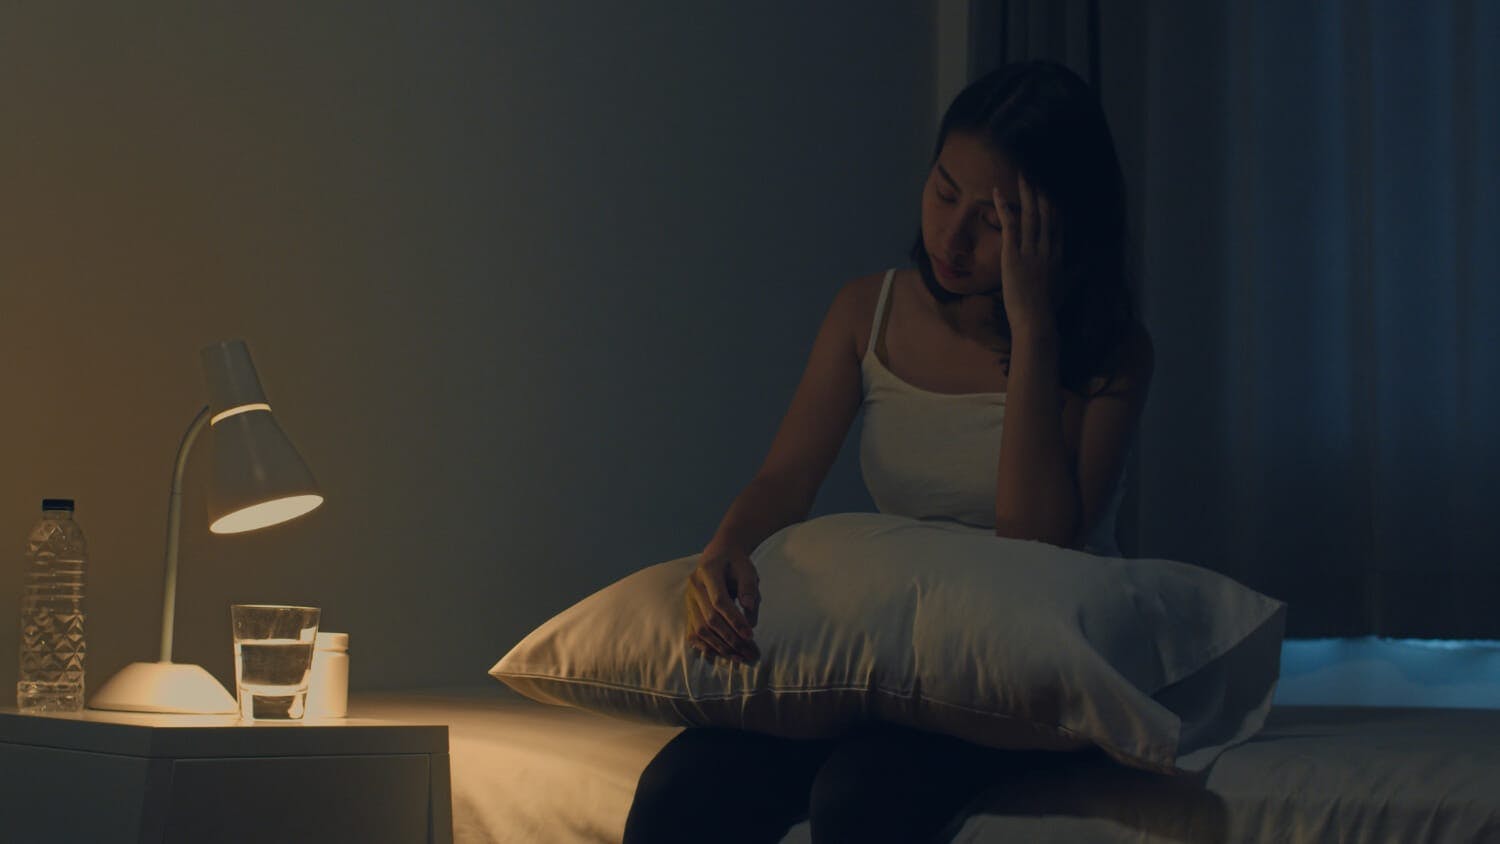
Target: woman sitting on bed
(1002, 379)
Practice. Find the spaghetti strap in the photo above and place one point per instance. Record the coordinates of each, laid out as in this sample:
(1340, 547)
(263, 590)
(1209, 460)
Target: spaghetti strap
(885, 291)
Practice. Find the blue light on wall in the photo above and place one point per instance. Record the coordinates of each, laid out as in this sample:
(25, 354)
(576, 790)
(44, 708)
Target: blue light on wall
(1374, 671)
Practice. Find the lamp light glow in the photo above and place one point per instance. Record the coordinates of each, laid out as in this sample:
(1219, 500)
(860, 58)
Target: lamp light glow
(266, 514)
(233, 411)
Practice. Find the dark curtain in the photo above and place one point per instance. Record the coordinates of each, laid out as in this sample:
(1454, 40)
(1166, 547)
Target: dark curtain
(1316, 201)
(1064, 31)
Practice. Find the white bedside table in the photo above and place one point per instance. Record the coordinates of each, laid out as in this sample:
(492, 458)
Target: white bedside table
(98, 777)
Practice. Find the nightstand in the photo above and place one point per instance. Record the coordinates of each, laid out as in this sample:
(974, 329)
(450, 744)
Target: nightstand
(97, 777)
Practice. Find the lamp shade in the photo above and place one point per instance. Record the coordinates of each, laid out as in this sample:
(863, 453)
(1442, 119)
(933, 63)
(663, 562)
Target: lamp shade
(259, 479)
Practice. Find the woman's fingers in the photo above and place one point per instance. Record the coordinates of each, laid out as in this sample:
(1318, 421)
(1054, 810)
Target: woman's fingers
(697, 633)
(734, 645)
(718, 631)
(711, 653)
(717, 646)
(1043, 226)
(701, 636)
(722, 613)
(696, 643)
(1009, 238)
(1040, 230)
(746, 582)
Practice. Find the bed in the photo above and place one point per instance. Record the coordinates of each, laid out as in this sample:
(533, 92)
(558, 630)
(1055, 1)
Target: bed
(528, 772)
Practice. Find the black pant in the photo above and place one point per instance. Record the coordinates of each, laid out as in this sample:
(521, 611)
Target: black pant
(712, 785)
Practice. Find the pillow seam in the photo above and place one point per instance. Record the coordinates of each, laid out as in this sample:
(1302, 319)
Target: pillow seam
(1067, 731)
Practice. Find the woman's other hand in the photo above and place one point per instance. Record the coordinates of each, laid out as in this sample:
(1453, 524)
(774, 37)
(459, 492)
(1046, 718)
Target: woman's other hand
(715, 625)
(1030, 257)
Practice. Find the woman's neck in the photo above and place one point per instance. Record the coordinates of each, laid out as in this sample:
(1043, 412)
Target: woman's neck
(972, 318)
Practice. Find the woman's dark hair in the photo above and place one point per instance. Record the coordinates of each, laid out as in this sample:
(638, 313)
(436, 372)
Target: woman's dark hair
(1050, 125)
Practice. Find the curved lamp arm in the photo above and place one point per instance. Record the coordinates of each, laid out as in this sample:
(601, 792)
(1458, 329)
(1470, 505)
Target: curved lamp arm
(174, 525)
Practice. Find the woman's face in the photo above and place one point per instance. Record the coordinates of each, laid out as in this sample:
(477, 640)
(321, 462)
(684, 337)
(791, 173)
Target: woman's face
(960, 227)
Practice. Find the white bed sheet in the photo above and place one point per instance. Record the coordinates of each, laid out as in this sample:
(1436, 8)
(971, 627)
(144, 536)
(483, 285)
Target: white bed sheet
(524, 772)
(528, 772)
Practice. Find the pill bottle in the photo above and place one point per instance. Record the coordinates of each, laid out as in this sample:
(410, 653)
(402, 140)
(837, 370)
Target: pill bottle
(328, 686)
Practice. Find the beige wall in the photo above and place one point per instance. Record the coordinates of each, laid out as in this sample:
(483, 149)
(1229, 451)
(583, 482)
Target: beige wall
(528, 284)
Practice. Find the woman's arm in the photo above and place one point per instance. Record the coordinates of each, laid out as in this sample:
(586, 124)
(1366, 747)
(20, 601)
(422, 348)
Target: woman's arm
(1036, 492)
(811, 432)
(1109, 422)
(1047, 490)
(766, 504)
(1035, 495)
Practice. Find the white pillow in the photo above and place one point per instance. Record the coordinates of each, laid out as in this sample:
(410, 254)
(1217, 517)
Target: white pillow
(939, 626)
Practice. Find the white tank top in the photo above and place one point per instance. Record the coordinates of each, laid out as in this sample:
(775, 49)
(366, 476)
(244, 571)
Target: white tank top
(930, 455)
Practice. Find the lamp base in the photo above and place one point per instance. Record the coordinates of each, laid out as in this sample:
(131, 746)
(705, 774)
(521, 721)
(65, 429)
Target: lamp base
(164, 687)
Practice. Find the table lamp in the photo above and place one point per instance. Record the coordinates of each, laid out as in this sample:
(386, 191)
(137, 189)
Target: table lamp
(258, 480)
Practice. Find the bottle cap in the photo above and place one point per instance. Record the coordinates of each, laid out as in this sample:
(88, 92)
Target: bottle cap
(57, 504)
(332, 641)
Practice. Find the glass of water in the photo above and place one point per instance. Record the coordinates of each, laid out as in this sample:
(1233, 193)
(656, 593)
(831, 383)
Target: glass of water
(273, 649)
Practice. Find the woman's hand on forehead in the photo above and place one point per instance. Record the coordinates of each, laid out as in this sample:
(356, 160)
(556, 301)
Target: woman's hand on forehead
(1031, 255)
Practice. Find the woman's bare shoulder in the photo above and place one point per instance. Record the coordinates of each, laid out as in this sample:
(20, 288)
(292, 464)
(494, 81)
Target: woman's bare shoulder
(859, 297)
(865, 286)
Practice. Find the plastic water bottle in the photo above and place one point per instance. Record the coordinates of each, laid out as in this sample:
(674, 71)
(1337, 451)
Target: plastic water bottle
(52, 645)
